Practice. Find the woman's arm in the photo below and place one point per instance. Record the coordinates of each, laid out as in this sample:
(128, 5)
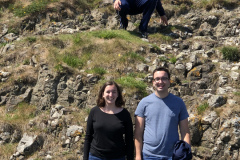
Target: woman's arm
(129, 137)
(88, 136)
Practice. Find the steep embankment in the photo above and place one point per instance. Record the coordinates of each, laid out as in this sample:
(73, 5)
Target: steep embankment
(53, 61)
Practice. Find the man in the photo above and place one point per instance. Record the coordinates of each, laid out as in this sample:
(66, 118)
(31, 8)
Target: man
(133, 7)
(157, 118)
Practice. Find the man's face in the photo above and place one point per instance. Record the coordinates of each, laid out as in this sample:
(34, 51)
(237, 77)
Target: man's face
(161, 81)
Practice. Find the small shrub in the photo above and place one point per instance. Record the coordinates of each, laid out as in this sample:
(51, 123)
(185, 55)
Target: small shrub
(97, 70)
(173, 60)
(227, 3)
(236, 93)
(20, 115)
(231, 53)
(13, 30)
(179, 2)
(132, 83)
(202, 108)
(136, 24)
(163, 59)
(131, 57)
(2, 44)
(80, 18)
(83, 4)
(77, 39)
(106, 34)
(59, 67)
(1, 12)
(72, 60)
(58, 43)
(137, 75)
(26, 62)
(36, 6)
(31, 39)
(162, 38)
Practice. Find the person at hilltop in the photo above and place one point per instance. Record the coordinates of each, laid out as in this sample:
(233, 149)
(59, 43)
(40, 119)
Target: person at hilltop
(133, 7)
(157, 118)
(109, 134)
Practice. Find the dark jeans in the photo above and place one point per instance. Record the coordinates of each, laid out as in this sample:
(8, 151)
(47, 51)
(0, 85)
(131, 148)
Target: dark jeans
(131, 9)
(92, 157)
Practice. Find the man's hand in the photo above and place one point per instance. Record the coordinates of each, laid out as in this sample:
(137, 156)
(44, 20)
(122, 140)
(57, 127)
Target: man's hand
(117, 5)
(164, 20)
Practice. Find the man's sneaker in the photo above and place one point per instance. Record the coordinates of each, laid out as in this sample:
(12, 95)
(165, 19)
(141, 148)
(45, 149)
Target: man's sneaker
(122, 27)
(144, 35)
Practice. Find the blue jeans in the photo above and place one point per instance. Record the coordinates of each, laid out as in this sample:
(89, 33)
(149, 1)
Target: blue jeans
(149, 157)
(92, 157)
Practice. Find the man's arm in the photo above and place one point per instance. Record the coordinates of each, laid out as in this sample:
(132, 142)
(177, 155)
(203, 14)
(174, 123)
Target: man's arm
(184, 130)
(138, 134)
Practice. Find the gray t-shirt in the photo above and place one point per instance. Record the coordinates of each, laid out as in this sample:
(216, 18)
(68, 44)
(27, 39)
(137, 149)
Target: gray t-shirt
(162, 117)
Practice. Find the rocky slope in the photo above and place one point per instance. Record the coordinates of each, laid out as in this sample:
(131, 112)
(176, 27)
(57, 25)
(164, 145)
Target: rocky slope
(57, 97)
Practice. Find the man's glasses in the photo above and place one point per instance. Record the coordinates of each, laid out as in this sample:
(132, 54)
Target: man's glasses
(163, 79)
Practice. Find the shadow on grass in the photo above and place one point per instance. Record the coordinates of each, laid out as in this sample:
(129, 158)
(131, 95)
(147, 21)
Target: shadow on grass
(168, 31)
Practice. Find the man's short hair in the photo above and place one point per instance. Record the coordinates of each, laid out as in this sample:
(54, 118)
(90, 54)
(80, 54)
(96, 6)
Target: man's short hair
(162, 69)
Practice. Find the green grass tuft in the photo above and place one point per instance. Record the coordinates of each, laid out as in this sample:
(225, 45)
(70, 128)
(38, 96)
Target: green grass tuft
(77, 40)
(236, 93)
(173, 60)
(202, 108)
(26, 62)
(131, 57)
(20, 115)
(97, 70)
(132, 83)
(35, 7)
(72, 60)
(2, 44)
(106, 34)
(231, 53)
(31, 39)
(137, 75)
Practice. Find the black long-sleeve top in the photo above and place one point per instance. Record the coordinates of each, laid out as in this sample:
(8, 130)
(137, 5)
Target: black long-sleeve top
(109, 136)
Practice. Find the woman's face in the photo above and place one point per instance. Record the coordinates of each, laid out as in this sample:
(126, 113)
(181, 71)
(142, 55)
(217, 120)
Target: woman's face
(110, 94)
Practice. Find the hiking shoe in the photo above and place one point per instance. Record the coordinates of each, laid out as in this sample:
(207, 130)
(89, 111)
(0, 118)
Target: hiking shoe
(122, 27)
(144, 35)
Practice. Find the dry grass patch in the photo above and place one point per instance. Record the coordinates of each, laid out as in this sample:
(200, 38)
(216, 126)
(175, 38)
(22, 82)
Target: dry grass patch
(112, 55)
(25, 74)
(20, 116)
(210, 4)
(160, 38)
(7, 150)
(79, 116)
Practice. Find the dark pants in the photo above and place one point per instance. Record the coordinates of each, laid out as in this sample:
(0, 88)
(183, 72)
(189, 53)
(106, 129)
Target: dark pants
(130, 8)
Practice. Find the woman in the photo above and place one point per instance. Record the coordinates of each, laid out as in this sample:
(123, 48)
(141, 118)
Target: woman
(109, 133)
